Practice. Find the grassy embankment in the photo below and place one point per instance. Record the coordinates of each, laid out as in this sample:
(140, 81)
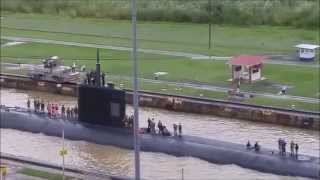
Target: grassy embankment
(170, 37)
(303, 79)
(179, 69)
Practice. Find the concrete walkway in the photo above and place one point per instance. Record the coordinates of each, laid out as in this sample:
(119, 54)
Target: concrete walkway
(12, 43)
(194, 56)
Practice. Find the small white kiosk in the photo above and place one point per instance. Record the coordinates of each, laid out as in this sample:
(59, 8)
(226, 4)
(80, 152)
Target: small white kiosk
(247, 68)
(307, 52)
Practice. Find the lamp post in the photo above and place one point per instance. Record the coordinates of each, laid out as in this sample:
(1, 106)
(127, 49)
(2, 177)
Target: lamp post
(135, 91)
(62, 153)
(210, 23)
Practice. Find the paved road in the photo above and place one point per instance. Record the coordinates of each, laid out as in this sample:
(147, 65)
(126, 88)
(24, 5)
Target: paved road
(149, 51)
(193, 56)
(12, 43)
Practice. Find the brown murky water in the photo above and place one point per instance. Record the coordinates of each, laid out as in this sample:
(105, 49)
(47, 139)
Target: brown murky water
(118, 161)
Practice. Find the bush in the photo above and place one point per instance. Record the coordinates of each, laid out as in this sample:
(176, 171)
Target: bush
(300, 13)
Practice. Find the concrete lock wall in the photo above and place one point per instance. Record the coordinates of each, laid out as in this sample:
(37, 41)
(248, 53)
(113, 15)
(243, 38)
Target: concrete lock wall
(230, 111)
(182, 104)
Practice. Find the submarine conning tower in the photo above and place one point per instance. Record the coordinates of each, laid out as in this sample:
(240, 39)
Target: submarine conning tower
(100, 104)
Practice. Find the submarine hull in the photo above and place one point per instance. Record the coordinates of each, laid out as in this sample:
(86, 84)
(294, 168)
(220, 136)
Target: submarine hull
(207, 149)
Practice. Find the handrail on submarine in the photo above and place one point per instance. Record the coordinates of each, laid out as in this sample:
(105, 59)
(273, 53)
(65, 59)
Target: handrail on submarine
(315, 113)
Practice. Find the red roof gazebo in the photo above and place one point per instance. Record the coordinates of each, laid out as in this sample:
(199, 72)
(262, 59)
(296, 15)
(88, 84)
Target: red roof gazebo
(247, 68)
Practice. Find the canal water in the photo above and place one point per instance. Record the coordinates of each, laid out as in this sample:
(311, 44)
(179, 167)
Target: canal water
(116, 161)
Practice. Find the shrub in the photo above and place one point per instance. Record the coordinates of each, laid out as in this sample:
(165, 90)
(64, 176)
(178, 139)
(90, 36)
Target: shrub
(300, 13)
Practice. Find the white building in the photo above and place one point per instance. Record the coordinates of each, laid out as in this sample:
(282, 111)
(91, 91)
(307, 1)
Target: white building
(307, 52)
(247, 68)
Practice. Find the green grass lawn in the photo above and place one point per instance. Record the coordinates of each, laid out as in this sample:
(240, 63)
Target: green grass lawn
(42, 174)
(227, 40)
(303, 80)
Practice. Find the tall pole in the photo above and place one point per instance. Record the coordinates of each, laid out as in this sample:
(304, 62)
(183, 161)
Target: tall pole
(210, 22)
(135, 91)
(210, 35)
(63, 154)
(182, 175)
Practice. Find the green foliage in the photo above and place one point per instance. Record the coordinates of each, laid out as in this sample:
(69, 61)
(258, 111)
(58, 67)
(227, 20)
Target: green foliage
(42, 174)
(300, 13)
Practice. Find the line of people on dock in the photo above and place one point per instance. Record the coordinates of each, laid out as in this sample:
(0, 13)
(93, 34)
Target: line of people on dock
(294, 147)
(53, 109)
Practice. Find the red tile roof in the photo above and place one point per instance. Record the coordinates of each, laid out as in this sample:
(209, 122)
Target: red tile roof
(247, 60)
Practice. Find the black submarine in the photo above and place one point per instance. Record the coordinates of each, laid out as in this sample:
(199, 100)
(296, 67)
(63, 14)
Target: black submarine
(101, 113)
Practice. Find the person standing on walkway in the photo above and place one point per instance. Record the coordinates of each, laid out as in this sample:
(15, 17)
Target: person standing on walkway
(248, 145)
(53, 111)
(76, 112)
(68, 112)
(291, 148)
(71, 113)
(160, 127)
(280, 145)
(63, 110)
(180, 129)
(49, 109)
(175, 129)
(296, 148)
(28, 104)
(149, 126)
(153, 127)
(42, 106)
(38, 105)
(35, 104)
(284, 147)
(284, 90)
(103, 79)
(57, 108)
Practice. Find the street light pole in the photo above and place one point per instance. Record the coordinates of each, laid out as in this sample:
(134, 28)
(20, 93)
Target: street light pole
(135, 91)
(210, 39)
(210, 23)
(63, 154)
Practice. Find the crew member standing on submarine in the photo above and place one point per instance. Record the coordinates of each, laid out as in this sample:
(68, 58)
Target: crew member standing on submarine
(28, 104)
(180, 129)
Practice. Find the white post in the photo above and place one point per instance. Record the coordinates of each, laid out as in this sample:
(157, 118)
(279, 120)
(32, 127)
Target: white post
(135, 90)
